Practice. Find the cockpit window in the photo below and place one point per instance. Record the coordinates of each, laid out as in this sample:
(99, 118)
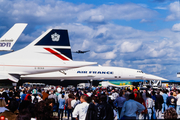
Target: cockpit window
(140, 71)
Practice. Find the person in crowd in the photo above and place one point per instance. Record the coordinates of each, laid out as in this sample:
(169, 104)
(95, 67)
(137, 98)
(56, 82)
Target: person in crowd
(130, 108)
(170, 114)
(174, 93)
(119, 102)
(127, 93)
(158, 105)
(149, 106)
(164, 95)
(139, 99)
(2, 105)
(23, 95)
(52, 95)
(24, 115)
(171, 101)
(99, 105)
(61, 107)
(34, 91)
(5, 97)
(178, 102)
(89, 93)
(105, 110)
(144, 95)
(81, 109)
(92, 109)
(114, 95)
(26, 104)
(135, 91)
(73, 102)
(50, 102)
(10, 113)
(68, 104)
(60, 95)
(28, 94)
(43, 111)
(58, 89)
(85, 93)
(153, 96)
(77, 101)
(36, 98)
(45, 94)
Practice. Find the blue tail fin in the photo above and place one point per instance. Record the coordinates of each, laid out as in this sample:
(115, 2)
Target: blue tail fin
(55, 39)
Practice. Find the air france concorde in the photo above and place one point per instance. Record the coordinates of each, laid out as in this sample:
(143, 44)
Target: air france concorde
(49, 52)
(95, 73)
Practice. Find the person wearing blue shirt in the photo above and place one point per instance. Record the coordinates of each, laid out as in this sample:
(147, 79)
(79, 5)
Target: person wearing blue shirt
(130, 108)
(164, 106)
(119, 102)
(61, 107)
(23, 95)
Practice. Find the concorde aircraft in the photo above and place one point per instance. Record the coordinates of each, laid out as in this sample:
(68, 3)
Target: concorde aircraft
(95, 73)
(49, 52)
(10, 37)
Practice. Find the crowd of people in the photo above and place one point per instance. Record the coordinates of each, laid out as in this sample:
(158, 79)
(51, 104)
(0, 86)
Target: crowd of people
(100, 103)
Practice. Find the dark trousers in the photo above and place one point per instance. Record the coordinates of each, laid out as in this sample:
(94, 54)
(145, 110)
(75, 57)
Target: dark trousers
(60, 113)
(119, 111)
(69, 113)
(129, 118)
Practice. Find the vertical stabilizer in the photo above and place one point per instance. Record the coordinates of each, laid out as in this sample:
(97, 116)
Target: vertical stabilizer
(54, 41)
(10, 37)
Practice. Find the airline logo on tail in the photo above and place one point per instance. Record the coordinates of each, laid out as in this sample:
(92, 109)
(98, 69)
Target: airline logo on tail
(57, 54)
(55, 37)
(56, 42)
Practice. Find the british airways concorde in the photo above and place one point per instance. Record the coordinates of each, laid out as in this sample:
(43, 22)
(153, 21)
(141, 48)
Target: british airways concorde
(10, 37)
(49, 52)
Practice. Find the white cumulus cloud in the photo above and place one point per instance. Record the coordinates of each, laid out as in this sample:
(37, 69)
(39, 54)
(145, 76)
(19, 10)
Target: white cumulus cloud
(176, 27)
(175, 11)
(130, 47)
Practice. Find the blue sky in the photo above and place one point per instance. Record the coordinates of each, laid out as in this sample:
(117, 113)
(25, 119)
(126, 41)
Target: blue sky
(139, 34)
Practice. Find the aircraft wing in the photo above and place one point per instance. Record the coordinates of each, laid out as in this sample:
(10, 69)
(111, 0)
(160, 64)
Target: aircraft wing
(12, 77)
(75, 77)
(10, 37)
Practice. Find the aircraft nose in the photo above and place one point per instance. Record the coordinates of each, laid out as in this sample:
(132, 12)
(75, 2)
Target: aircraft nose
(153, 77)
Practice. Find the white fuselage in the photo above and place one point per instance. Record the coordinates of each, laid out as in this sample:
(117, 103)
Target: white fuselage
(95, 73)
(33, 62)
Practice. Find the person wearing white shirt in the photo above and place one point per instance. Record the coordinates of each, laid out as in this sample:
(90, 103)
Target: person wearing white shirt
(81, 109)
(89, 93)
(73, 102)
(58, 89)
(178, 103)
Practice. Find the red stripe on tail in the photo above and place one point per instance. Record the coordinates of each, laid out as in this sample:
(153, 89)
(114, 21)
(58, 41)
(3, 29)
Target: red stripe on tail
(56, 54)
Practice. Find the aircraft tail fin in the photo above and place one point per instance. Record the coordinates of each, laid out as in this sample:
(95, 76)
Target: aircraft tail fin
(10, 37)
(54, 41)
